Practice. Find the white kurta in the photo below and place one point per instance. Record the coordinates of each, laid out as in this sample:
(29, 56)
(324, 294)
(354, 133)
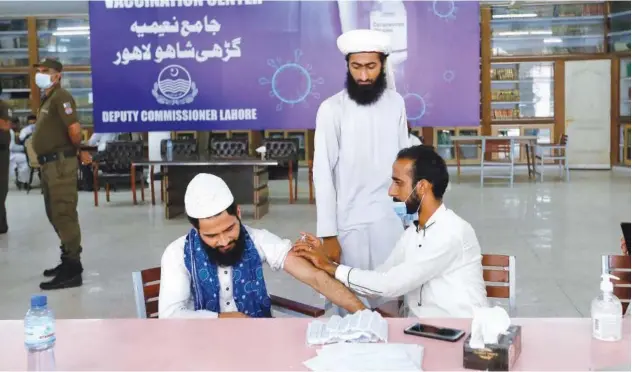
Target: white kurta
(438, 269)
(355, 147)
(17, 160)
(101, 140)
(176, 301)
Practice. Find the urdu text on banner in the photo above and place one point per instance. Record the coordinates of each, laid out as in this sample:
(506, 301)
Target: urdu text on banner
(163, 65)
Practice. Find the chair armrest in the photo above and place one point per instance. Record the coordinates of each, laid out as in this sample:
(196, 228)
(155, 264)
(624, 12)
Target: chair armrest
(389, 309)
(298, 307)
(550, 146)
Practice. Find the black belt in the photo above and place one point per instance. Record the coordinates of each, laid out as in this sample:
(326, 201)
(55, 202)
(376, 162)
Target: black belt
(43, 159)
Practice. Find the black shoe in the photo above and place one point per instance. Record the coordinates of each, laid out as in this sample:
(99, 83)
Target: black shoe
(54, 271)
(68, 276)
(4, 230)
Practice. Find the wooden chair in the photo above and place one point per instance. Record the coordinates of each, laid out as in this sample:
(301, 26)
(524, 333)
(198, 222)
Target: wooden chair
(116, 164)
(499, 273)
(618, 266)
(555, 152)
(497, 153)
(147, 290)
(285, 152)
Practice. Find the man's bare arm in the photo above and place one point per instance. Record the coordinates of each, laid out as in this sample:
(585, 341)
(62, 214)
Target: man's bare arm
(329, 287)
(74, 132)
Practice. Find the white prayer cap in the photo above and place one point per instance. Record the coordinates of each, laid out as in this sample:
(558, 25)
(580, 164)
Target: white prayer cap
(207, 195)
(362, 41)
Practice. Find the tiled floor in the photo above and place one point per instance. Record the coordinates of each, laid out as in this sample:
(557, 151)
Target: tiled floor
(556, 230)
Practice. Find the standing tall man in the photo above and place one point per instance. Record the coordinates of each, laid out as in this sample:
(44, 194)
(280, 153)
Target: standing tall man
(359, 132)
(56, 140)
(5, 142)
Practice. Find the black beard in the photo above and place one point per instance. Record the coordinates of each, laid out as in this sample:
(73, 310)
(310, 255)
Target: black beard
(366, 94)
(229, 258)
(412, 204)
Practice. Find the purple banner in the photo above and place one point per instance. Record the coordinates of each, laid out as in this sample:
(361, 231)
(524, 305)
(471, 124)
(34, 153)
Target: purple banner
(252, 64)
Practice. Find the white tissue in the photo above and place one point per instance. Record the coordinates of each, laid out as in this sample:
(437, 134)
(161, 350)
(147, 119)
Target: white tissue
(362, 326)
(488, 324)
(367, 357)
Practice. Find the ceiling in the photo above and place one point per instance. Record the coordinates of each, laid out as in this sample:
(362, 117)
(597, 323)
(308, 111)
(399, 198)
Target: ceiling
(41, 8)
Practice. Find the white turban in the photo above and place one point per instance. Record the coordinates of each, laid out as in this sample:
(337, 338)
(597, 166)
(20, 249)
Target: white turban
(207, 195)
(363, 41)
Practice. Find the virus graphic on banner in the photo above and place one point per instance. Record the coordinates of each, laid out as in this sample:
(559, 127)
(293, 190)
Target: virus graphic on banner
(448, 76)
(292, 83)
(417, 105)
(444, 9)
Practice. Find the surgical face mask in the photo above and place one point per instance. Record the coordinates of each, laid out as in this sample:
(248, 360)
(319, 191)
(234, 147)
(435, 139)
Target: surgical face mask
(404, 212)
(43, 81)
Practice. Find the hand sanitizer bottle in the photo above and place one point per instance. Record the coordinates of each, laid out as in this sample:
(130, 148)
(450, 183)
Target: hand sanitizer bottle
(606, 312)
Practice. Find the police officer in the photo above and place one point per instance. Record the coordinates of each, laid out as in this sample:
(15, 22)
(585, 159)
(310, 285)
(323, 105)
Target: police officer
(5, 141)
(56, 141)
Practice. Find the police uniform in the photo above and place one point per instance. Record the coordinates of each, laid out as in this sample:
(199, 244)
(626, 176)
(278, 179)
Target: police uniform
(5, 141)
(57, 156)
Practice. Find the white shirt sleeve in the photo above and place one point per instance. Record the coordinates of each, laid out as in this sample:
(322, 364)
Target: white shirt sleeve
(402, 278)
(272, 249)
(94, 139)
(326, 149)
(26, 132)
(175, 300)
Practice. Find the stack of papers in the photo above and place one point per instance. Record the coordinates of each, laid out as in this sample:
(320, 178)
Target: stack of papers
(367, 357)
(362, 326)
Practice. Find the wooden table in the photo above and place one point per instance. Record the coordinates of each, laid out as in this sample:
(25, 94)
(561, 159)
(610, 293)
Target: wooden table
(246, 178)
(529, 142)
(552, 344)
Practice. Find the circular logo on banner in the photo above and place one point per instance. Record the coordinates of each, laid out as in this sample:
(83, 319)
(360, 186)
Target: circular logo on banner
(174, 82)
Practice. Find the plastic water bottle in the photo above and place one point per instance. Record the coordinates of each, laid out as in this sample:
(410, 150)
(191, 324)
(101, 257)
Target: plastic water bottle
(606, 312)
(39, 335)
(169, 150)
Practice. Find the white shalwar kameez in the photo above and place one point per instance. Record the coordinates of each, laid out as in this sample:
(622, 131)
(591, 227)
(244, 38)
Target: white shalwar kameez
(355, 147)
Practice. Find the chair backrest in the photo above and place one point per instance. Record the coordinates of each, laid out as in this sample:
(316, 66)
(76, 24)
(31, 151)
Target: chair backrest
(31, 156)
(499, 273)
(619, 266)
(182, 147)
(281, 148)
(119, 156)
(228, 148)
(146, 291)
(563, 139)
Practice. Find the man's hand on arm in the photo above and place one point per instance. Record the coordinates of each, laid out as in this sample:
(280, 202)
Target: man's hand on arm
(329, 245)
(320, 281)
(311, 250)
(5, 125)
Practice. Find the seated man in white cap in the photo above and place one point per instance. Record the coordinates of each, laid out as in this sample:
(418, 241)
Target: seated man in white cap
(359, 132)
(216, 269)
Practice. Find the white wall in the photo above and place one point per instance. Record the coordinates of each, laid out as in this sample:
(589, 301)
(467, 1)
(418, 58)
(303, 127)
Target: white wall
(26, 8)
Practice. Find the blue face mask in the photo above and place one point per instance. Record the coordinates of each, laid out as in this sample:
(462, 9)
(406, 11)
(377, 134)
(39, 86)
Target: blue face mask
(402, 211)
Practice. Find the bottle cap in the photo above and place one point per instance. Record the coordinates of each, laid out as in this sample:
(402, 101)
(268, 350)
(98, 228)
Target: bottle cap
(39, 301)
(606, 285)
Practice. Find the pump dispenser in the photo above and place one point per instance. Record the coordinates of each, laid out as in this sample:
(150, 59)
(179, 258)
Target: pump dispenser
(606, 312)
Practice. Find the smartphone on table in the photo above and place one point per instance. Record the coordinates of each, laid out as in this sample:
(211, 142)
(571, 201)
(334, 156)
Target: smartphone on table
(438, 333)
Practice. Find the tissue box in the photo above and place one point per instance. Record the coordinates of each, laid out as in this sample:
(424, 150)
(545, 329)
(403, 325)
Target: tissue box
(494, 357)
